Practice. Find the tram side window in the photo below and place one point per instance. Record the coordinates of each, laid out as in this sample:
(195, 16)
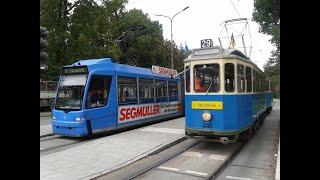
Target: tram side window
(98, 93)
(262, 84)
(266, 85)
(248, 79)
(161, 91)
(254, 81)
(229, 77)
(206, 77)
(173, 90)
(146, 93)
(127, 90)
(240, 79)
(187, 73)
(258, 82)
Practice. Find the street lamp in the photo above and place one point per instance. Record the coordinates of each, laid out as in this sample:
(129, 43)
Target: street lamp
(171, 19)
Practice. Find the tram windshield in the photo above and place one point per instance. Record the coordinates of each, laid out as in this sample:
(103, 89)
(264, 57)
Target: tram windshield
(206, 78)
(70, 92)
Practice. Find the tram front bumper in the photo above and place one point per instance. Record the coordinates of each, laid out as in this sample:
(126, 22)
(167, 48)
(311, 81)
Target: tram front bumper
(73, 129)
(200, 132)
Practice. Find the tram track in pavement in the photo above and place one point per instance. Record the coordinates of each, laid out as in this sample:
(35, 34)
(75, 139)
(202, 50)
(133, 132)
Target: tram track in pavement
(188, 159)
(55, 143)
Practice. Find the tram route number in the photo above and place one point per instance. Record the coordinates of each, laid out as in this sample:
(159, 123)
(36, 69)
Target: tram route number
(206, 43)
(207, 125)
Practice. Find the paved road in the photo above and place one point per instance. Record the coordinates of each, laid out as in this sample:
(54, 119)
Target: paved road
(198, 162)
(102, 155)
(45, 118)
(257, 159)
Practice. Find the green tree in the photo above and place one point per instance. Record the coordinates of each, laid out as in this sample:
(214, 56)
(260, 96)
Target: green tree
(84, 29)
(55, 16)
(267, 14)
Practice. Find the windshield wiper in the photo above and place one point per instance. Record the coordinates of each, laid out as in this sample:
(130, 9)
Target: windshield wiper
(209, 87)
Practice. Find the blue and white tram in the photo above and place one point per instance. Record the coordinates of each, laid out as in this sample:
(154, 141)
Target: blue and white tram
(98, 95)
(226, 94)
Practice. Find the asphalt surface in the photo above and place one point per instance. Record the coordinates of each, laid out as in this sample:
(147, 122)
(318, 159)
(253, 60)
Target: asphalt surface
(257, 159)
(45, 118)
(199, 162)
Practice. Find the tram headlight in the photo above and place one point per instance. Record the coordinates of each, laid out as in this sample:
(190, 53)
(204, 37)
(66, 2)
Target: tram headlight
(53, 117)
(78, 119)
(206, 116)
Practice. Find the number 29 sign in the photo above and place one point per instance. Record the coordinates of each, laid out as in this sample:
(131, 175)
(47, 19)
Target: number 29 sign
(206, 43)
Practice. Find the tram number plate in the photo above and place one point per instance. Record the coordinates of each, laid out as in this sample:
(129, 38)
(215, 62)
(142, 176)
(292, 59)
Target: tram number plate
(207, 125)
(207, 105)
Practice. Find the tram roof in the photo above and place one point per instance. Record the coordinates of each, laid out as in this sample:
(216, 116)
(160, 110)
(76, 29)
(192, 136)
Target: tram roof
(218, 53)
(123, 69)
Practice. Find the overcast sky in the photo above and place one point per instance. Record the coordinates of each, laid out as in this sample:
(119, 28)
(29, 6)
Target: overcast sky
(203, 21)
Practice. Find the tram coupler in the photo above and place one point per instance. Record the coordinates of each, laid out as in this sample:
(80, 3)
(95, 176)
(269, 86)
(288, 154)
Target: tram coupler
(224, 140)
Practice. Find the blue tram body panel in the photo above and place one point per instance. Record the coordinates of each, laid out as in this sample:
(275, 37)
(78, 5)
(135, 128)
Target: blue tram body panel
(235, 115)
(105, 118)
(65, 124)
(269, 99)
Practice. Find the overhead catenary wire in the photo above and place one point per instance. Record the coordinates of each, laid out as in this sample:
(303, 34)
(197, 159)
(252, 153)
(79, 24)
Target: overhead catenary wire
(235, 8)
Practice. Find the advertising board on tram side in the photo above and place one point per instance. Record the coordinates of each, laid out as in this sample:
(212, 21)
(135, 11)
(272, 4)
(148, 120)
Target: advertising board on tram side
(135, 112)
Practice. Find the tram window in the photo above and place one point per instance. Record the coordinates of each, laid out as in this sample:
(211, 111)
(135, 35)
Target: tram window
(206, 77)
(258, 82)
(187, 79)
(98, 93)
(240, 78)
(248, 79)
(254, 80)
(127, 90)
(161, 91)
(146, 93)
(266, 85)
(229, 77)
(173, 90)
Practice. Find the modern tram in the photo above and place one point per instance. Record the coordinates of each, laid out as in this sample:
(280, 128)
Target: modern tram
(226, 94)
(98, 95)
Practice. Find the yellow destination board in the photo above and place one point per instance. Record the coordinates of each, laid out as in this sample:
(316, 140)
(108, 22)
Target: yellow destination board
(207, 105)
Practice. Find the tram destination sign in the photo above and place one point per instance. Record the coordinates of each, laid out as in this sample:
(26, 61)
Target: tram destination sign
(164, 71)
(75, 70)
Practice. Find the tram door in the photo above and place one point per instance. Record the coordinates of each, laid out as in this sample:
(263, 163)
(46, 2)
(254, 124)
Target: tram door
(101, 103)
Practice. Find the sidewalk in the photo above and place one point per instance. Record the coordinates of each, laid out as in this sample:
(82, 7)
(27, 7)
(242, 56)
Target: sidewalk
(257, 159)
(278, 164)
(105, 154)
(45, 130)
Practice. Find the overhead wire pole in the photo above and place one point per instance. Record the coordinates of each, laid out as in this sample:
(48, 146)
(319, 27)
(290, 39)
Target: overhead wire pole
(171, 19)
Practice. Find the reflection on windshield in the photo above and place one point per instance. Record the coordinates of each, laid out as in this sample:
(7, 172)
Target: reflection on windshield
(206, 78)
(69, 97)
(70, 92)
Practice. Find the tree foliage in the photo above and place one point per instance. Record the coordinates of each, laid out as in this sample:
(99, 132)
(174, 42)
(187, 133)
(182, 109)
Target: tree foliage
(85, 29)
(267, 14)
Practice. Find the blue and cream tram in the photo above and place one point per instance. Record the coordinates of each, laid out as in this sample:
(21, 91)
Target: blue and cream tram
(226, 94)
(98, 95)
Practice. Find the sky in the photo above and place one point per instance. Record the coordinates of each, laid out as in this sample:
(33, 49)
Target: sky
(203, 20)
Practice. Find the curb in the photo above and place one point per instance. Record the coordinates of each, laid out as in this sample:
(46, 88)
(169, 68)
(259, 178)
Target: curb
(42, 136)
(277, 174)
